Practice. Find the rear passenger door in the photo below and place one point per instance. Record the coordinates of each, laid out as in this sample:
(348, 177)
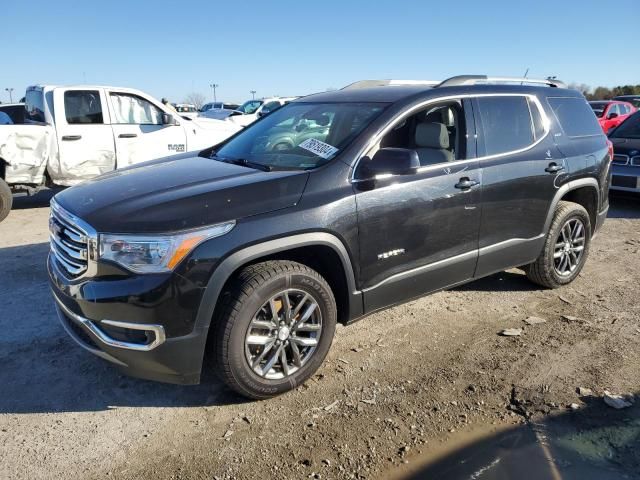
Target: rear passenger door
(520, 168)
(85, 138)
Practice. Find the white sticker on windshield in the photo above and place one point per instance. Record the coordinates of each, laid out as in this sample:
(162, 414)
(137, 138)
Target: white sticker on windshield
(321, 149)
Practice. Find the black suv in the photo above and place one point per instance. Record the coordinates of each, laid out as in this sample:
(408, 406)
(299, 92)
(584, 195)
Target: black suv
(251, 251)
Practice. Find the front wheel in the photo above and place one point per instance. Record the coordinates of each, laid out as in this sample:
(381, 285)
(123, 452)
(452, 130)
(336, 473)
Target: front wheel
(274, 328)
(566, 247)
(6, 200)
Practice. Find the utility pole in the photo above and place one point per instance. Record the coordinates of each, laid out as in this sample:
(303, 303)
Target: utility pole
(213, 87)
(253, 94)
(10, 90)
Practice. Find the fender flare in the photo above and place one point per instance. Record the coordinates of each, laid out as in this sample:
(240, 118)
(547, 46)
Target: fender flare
(241, 257)
(563, 190)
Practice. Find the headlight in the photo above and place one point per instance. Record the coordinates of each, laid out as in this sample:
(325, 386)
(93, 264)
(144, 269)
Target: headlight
(156, 253)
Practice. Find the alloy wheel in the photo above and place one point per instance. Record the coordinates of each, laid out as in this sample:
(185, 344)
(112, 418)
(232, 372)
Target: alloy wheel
(283, 334)
(569, 247)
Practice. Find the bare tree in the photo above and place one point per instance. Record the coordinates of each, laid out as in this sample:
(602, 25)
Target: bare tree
(581, 87)
(196, 99)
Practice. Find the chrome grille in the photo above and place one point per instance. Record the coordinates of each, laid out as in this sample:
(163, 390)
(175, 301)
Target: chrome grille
(69, 244)
(620, 159)
(635, 161)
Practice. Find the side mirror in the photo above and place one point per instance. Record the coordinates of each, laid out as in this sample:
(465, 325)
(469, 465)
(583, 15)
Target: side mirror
(611, 116)
(168, 119)
(389, 161)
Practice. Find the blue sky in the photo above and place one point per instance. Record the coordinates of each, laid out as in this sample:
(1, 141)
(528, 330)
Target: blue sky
(296, 47)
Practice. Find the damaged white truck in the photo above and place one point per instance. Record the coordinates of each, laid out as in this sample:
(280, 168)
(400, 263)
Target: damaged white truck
(72, 134)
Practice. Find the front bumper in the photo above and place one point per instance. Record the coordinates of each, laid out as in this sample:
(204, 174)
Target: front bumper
(137, 348)
(625, 178)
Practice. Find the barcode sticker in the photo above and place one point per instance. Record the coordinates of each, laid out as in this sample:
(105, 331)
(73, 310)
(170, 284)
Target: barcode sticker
(321, 149)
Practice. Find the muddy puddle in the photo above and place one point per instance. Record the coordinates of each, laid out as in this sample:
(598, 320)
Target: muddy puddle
(593, 443)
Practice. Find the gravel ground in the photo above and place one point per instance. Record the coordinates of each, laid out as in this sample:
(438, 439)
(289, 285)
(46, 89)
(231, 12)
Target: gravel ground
(395, 387)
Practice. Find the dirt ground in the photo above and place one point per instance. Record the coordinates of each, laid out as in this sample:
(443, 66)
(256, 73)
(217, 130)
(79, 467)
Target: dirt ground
(395, 388)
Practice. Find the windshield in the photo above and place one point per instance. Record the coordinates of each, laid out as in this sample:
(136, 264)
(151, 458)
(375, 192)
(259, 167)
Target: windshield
(250, 106)
(630, 128)
(301, 135)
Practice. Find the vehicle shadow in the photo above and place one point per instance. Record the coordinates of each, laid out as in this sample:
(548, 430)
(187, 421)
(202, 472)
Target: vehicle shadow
(594, 442)
(43, 370)
(624, 205)
(507, 281)
(39, 200)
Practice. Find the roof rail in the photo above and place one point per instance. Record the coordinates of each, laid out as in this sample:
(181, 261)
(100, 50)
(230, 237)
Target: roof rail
(475, 79)
(385, 83)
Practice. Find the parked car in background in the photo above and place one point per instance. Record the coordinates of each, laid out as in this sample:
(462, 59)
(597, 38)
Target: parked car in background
(256, 254)
(186, 110)
(15, 111)
(217, 110)
(218, 106)
(632, 99)
(75, 133)
(611, 113)
(626, 159)
(251, 110)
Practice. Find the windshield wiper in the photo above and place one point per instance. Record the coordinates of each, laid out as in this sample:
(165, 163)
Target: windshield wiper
(243, 162)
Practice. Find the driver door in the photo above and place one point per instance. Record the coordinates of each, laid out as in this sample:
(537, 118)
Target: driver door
(419, 232)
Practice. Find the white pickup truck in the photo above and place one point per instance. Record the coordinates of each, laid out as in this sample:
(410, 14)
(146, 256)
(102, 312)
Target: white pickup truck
(72, 134)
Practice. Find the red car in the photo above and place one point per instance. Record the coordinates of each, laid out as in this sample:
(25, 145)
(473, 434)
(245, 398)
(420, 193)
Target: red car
(611, 113)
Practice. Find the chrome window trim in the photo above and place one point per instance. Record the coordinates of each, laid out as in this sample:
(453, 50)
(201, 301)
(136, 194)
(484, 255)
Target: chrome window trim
(546, 123)
(158, 330)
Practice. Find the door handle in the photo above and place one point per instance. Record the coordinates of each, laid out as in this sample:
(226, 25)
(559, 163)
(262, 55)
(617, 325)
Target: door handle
(70, 138)
(554, 167)
(465, 183)
(128, 135)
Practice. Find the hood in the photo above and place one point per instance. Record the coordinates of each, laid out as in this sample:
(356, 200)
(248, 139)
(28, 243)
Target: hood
(626, 146)
(179, 193)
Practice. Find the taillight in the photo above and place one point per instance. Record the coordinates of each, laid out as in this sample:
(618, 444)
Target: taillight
(610, 146)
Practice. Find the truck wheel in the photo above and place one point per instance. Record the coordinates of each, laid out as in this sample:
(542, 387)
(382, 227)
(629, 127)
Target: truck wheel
(566, 247)
(6, 200)
(274, 328)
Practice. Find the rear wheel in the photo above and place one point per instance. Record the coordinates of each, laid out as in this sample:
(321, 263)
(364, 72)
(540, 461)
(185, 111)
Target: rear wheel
(274, 329)
(6, 199)
(566, 247)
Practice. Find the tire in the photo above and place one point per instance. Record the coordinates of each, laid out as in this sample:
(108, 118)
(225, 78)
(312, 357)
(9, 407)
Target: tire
(6, 200)
(549, 270)
(246, 317)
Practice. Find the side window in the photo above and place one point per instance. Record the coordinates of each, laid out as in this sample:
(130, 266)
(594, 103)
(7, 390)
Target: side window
(83, 107)
(270, 107)
(34, 106)
(575, 116)
(437, 134)
(132, 109)
(624, 109)
(508, 126)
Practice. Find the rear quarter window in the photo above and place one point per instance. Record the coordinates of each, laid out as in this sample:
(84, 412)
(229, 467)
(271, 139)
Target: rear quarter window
(575, 116)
